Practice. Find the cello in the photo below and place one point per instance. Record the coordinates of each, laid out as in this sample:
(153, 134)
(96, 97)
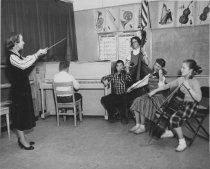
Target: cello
(203, 16)
(163, 113)
(184, 18)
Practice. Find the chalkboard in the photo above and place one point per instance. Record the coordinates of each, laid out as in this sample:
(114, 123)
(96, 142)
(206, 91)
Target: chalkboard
(177, 44)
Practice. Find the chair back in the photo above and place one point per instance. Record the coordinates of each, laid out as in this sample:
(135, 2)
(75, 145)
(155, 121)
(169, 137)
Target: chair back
(205, 91)
(205, 97)
(63, 88)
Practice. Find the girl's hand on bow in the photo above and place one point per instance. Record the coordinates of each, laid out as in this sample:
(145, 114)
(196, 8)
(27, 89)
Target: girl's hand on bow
(186, 84)
(151, 93)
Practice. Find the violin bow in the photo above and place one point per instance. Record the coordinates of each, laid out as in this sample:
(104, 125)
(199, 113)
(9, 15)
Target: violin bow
(173, 93)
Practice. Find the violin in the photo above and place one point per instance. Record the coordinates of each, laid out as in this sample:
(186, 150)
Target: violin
(107, 81)
(203, 16)
(184, 18)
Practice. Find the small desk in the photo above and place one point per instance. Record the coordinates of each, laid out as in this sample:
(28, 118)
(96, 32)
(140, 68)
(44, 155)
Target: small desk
(92, 84)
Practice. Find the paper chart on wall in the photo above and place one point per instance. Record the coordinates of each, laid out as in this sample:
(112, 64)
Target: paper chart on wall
(107, 48)
(124, 46)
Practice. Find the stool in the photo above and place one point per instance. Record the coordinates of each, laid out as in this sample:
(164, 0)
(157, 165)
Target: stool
(5, 111)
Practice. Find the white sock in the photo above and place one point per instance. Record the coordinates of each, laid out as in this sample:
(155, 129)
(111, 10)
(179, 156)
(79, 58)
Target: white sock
(137, 124)
(182, 141)
(142, 126)
(169, 131)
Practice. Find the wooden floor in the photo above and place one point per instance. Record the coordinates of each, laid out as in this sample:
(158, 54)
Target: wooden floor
(97, 144)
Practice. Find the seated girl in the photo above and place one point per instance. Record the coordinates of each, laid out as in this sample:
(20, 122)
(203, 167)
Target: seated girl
(190, 87)
(143, 106)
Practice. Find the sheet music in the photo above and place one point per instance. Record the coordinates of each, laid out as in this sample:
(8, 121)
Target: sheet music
(139, 84)
(108, 47)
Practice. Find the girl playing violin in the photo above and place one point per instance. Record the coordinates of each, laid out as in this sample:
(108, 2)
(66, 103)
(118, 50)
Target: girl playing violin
(190, 87)
(120, 80)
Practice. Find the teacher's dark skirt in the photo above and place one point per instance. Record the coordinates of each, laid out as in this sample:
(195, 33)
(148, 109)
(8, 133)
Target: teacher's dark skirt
(23, 117)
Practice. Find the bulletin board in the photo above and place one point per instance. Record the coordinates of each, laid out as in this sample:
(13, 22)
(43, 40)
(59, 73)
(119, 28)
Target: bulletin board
(124, 45)
(108, 47)
(176, 45)
(115, 46)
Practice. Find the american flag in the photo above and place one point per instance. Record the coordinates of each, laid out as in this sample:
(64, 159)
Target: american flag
(144, 14)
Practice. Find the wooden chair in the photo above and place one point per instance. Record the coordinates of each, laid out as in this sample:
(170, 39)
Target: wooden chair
(195, 124)
(71, 105)
(5, 111)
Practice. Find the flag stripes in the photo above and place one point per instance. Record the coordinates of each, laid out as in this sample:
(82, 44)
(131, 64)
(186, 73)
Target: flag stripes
(144, 14)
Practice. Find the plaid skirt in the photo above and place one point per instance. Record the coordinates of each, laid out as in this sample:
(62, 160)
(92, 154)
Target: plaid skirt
(147, 105)
(178, 117)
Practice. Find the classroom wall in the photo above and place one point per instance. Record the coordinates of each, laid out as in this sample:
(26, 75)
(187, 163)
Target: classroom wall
(84, 4)
(87, 38)
(174, 44)
(178, 44)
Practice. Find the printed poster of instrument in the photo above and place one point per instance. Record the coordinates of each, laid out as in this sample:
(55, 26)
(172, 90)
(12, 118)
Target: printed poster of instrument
(100, 20)
(112, 19)
(126, 18)
(185, 13)
(166, 14)
(202, 12)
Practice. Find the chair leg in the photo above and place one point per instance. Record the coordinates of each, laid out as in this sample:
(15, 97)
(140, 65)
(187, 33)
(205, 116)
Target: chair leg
(207, 134)
(64, 118)
(196, 131)
(192, 138)
(80, 111)
(75, 115)
(0, 124)
(203, 129)
(8, 125)
(57, 117)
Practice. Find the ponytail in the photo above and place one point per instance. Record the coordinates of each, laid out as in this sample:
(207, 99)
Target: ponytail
(193, 65)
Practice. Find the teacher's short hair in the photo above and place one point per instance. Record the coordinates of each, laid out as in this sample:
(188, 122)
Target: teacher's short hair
(13, 38)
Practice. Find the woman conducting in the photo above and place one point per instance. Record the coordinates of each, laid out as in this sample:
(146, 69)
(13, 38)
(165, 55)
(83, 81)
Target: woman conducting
(22, 106)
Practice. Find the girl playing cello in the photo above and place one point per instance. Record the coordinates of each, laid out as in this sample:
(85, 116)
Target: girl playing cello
(190, 87)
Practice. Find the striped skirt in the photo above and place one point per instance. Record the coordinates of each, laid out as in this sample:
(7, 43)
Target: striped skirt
(147, 106)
